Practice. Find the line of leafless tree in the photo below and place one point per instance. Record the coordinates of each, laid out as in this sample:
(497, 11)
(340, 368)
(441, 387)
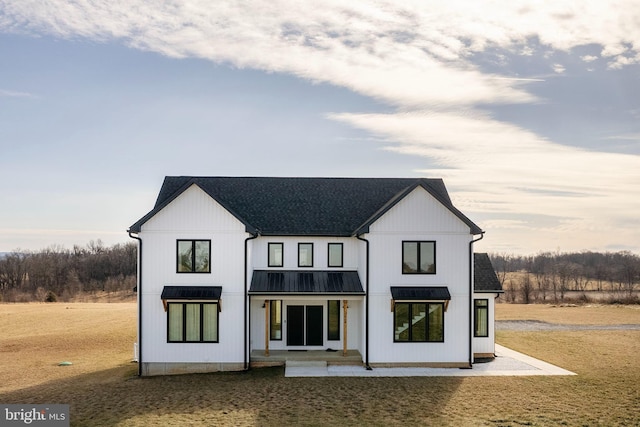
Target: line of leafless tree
(60, 274)
(57, 273)
(578, 276)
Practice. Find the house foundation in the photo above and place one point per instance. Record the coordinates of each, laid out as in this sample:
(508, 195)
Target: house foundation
(175, 368)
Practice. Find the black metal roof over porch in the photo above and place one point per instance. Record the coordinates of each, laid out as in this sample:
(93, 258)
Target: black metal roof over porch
(305, 282)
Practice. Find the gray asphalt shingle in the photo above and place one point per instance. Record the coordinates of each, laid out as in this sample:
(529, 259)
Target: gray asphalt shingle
(485, 278)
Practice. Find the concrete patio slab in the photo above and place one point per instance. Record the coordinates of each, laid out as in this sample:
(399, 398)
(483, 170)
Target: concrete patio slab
(507, 363)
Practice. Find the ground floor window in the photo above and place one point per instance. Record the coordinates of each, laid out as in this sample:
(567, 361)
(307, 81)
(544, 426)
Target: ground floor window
(333, 319)
(418, 322)
(192, 322)
(481, 318)
(275, 320)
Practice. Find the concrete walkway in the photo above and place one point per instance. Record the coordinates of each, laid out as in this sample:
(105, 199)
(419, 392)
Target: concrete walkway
(506, 363)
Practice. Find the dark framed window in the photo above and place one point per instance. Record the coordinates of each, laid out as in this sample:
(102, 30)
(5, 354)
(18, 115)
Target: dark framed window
(333, 320)
(276, 254)
(418, 257)
(192, 322)
(194, 256)
(335, 257)
(275, 320)
(305, 254)
(418, 322)
(481, 318)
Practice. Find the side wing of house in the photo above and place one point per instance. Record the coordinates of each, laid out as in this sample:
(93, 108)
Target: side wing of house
(487, 288)
(419, 290)
(192, 287)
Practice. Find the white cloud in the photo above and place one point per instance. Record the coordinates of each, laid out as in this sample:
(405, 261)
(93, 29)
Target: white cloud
(15, 94)
(589, 58)
(614, 50)
(622, 61)
(558, 68)
(398, 52)
(628, 137)
(506, 224)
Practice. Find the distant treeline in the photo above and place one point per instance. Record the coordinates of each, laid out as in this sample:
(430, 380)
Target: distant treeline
(57, 273)
(579, 276)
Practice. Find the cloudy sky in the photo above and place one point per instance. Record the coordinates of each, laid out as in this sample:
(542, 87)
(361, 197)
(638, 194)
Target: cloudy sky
(530, 111)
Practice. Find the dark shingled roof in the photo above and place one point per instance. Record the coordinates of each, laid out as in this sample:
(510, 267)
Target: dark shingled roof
(269, 282)
(192, 292)
(485, 278)
(305, 206)
(420, 293)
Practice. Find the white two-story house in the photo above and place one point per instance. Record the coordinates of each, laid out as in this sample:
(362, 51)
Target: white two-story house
(237, 272)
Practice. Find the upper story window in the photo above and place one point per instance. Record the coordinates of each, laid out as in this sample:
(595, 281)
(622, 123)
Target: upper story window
(276, 254)
(305, 254)
(418, 257)
(194, 256)
(335, 255)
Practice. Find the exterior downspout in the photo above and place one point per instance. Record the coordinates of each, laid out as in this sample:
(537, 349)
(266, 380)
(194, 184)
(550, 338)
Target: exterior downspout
(139, 289)
(471, 298)
(247, 303)
(366, 308)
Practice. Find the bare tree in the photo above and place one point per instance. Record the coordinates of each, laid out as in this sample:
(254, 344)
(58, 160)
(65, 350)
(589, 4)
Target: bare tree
(502, 265)
(628, 272)
(526, 288)
(13, 270)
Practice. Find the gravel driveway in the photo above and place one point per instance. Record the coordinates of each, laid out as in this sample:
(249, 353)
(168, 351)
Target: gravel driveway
(537, 325)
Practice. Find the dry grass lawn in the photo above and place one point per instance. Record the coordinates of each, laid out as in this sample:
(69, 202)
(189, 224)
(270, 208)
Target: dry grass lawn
(102, 388)
(594, 314)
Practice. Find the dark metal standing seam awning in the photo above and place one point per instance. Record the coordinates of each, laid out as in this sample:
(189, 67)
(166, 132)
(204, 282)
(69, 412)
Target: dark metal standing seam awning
(420, 293)
(297, 282)
(200, 293)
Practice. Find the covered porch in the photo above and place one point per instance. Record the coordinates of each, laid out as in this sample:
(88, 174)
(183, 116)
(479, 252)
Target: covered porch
(305, 315)
(280, 357)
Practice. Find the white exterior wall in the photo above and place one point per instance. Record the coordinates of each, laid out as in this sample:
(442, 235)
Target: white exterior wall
(193, 215)
(486, 345)
(419, 217)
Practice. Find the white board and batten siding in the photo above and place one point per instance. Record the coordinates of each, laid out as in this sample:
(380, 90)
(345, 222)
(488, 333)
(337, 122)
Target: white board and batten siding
(193, 215)
(419, 217)
(485, 346)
